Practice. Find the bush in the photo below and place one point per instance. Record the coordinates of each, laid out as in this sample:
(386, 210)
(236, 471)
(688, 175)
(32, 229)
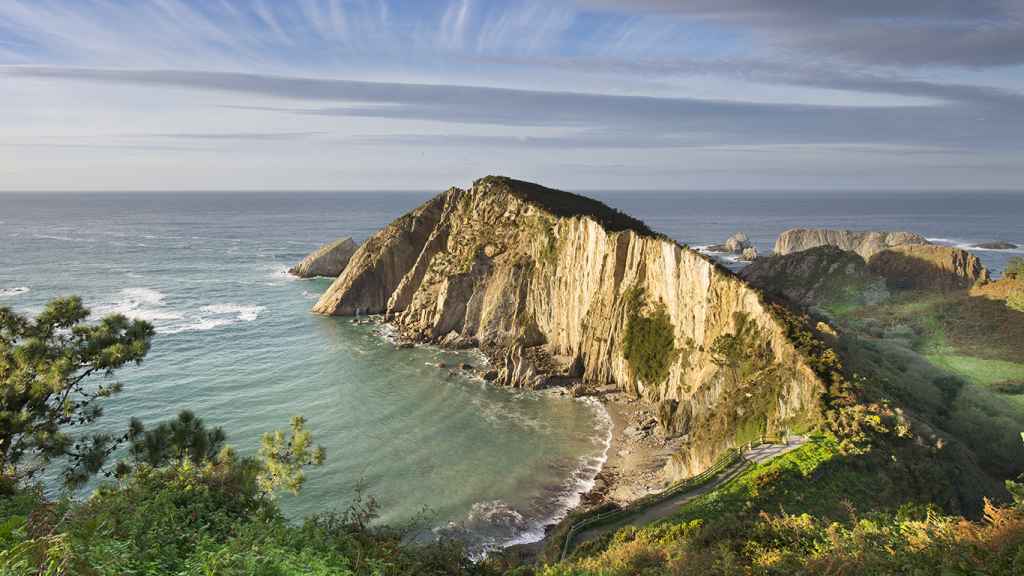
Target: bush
(649, 345)
(1014, 268)
(1015, 301)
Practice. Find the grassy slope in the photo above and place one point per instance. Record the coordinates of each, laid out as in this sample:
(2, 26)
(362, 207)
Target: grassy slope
(785, 517)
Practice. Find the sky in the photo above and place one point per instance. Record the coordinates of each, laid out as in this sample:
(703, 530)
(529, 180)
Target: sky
(137, 95)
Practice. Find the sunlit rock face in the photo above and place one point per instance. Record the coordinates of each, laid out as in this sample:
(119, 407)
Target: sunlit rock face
(865, 243)
(328, 260)
(553, 287)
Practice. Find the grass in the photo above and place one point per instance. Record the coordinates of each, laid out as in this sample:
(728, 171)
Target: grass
(810, 511)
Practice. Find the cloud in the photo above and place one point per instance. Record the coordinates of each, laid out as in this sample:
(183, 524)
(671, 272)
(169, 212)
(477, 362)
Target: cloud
(604, 119)
(972, 33)
(242, 136)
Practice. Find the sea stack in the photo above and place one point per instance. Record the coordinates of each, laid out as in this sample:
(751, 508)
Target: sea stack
(328, 260)
(555, 286)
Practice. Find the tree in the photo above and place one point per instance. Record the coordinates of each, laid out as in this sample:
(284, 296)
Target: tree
(54, 371)
(284, 458)
(184, 437)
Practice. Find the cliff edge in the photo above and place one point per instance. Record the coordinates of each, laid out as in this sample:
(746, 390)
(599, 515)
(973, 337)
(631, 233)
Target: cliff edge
(552, 285)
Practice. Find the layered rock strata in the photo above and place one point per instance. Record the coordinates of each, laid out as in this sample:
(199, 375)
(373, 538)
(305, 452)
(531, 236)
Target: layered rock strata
(554, 285)
(865, 243)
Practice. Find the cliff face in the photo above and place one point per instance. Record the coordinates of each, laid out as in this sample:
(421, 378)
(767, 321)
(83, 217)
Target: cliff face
(865, 243)
(928, 267)
(551, 284)
(327, 260)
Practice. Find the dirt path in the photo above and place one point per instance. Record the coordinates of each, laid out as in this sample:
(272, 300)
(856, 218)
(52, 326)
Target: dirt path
(667, 508)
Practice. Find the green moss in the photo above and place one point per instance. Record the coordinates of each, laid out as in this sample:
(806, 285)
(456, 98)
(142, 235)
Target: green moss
(649, 345)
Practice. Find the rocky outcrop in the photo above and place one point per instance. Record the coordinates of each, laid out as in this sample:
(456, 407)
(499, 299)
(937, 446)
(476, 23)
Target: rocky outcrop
(865, 243)
(749, 254)
(327, 260)
(555, 285)
(820, 277)
(735, 244)
(827, 276)
(928, 267)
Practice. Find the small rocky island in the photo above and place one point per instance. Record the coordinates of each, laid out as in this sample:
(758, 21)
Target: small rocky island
(328, 260)
(997, 245)
(738, 245)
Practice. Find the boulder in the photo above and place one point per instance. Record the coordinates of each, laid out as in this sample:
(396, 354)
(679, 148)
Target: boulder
(737, 243)
(327, 260)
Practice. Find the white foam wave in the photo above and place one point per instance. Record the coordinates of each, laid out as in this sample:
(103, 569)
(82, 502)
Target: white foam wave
(568, 496)
(217, 316)
(149, 305)
(12, 292)
(970, 246)
(280, 272)
(139, 304)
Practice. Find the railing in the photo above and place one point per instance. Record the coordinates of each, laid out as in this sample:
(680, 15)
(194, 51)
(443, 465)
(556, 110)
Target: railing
(730, 457)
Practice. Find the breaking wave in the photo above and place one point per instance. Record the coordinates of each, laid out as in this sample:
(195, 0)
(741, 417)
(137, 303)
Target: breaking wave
(150, 305)
(12, 292)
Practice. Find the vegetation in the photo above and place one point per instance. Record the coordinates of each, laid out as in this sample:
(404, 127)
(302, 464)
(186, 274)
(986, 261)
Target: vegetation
(871, 494)
(54, 372)
(184, 437)
(217, 516)
(1015, 301)
(783, 518)
(1014, 268)
(568, 205)
(649, 345)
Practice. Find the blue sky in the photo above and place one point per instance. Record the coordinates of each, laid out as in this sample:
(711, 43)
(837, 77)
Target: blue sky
(578, 94)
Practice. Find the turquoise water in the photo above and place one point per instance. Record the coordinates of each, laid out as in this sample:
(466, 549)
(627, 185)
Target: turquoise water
(236, 342)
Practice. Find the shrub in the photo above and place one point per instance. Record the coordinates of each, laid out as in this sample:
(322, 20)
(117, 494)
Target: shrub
(1014, 268)
(649, 345)
(1015, 301)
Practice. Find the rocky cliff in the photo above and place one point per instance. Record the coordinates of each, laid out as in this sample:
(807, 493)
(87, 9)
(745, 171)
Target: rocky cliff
(928, 267)
(327, 260)
(554, 285)
(865, 243)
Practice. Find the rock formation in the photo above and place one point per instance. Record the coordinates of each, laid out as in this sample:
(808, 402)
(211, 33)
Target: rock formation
(928, 267)
(552, 285)
(827, 275)
(327, 260)
(997, 245)
(821, 276)
(735, 244)
(865, 243)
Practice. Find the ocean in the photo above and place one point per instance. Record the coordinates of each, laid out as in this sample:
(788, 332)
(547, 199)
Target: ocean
(236, 342)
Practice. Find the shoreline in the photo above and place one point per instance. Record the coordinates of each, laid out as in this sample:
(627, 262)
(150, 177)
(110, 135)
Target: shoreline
(637, 453)
(630, 467)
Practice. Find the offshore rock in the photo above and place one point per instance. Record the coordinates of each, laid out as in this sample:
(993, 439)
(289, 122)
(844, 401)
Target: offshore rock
(327, 260)
(997, 245)
(865, 243)
(735, 244)
(548, 283)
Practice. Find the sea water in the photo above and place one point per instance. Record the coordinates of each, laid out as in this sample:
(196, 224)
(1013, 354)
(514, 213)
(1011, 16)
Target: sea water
(236, 342)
